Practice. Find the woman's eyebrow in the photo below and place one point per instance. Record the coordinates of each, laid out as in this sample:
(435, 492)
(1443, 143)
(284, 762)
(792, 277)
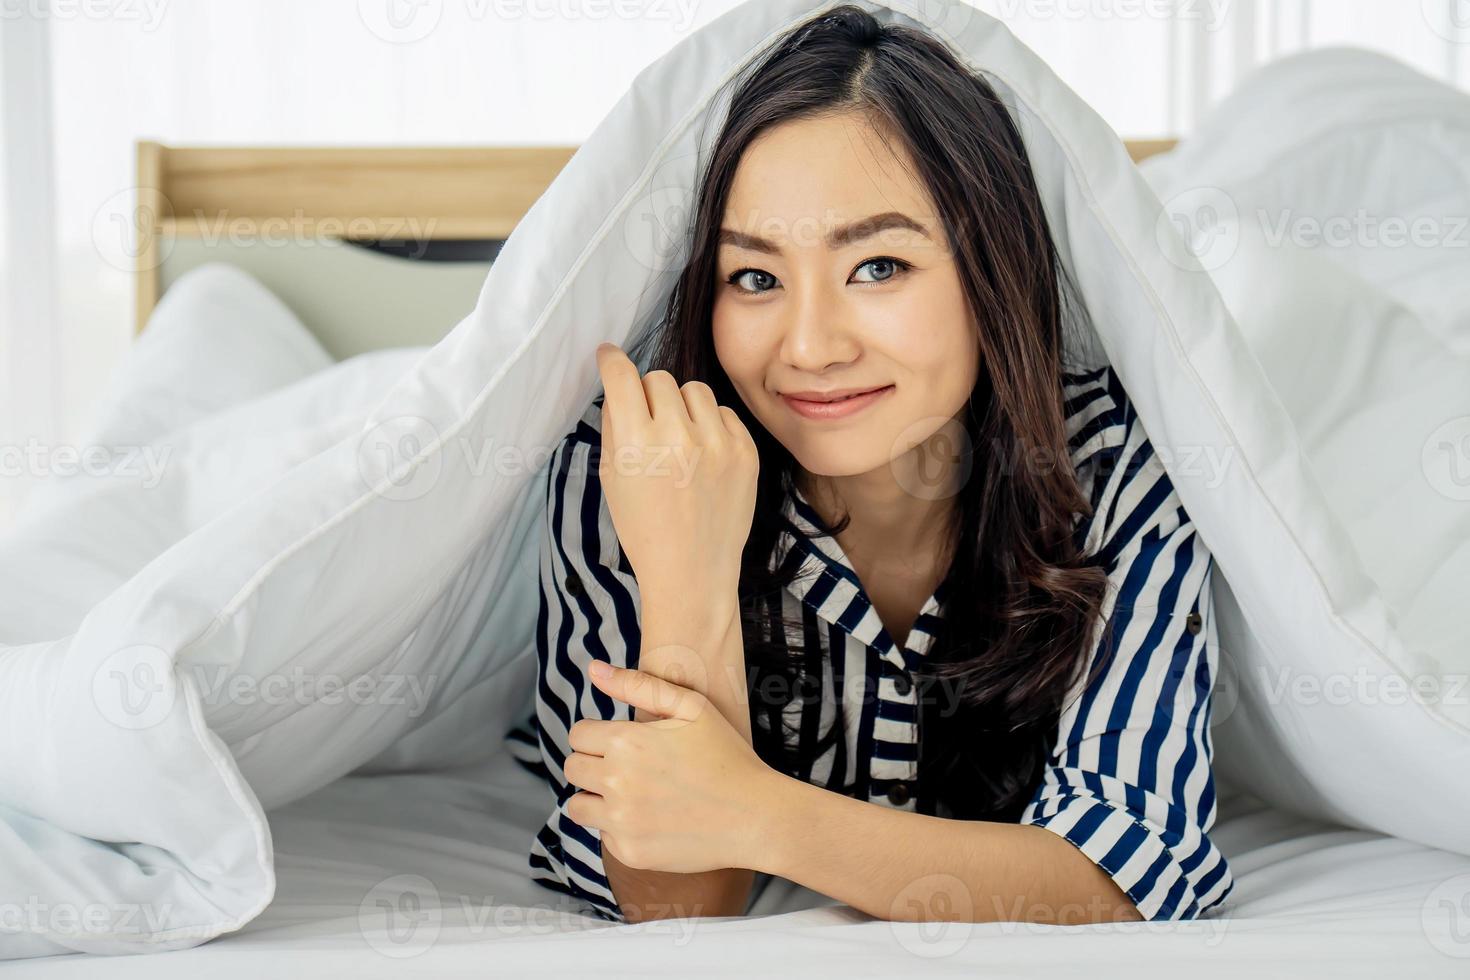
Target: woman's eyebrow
(839, 237)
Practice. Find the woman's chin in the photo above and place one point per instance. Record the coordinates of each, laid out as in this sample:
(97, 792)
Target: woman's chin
(834, 456)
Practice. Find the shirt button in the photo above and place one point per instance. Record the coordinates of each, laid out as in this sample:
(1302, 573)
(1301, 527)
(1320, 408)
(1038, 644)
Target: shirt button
(898, 794)
(574, 584)
(1194, 623)
(902, 684)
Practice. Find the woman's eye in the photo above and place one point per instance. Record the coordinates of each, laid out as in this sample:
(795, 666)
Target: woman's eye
(761, 276)
(756, 281)
(893, 267)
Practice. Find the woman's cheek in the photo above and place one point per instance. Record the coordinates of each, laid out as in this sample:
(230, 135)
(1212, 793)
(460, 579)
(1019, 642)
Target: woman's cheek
(738, 357)
(935, 340)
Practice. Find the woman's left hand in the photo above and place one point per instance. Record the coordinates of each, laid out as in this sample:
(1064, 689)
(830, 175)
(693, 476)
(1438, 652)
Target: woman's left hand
(684, 793)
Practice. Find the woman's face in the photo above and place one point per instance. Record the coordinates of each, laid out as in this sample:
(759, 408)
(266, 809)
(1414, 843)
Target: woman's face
(878, 307)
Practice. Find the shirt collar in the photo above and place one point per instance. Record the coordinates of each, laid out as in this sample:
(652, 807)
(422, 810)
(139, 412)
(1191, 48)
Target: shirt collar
(827, 583)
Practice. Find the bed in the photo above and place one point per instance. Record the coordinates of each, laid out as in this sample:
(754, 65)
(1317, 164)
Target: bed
(423, 875)
(377, 840)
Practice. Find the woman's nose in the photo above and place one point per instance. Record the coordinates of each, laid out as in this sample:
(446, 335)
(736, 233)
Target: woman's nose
(817, 333)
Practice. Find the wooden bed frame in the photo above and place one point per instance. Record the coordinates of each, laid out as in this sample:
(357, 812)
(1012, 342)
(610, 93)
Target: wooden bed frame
(416, 193)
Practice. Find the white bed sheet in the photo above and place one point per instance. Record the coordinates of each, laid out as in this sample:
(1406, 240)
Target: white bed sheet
(1311, 899)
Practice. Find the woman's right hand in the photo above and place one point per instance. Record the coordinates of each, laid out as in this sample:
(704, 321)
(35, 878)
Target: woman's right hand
(679, 474)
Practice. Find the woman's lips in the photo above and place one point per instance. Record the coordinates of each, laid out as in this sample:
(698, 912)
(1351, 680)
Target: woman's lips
(835, 410)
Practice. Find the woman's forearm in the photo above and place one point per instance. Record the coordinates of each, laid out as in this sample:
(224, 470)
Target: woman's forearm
(902, 866)
(673, 636)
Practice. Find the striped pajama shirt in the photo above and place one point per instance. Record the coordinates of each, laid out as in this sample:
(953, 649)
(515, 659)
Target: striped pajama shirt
(1128, 780)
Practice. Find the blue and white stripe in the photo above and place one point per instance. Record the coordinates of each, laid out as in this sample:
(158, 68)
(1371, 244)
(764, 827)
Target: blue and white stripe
(1128, 781)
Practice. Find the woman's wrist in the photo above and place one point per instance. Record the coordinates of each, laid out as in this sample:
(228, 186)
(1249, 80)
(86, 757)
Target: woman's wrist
(696, 621)
(698, 647)
(683, 603)
(776, 816)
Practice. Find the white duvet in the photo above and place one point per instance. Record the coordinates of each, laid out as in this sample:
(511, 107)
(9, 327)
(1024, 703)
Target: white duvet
(330, 572)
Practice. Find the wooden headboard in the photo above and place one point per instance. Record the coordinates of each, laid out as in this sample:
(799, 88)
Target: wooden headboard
(201, 194)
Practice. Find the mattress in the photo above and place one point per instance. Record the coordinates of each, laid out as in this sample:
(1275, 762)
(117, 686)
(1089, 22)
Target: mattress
(424, 874)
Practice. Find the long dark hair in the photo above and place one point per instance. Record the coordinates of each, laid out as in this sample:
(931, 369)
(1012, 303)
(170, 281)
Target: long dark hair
(1021, 597)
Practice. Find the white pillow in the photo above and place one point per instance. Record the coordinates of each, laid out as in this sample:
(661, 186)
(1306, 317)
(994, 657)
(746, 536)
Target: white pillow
(405, 552)
(217, 337)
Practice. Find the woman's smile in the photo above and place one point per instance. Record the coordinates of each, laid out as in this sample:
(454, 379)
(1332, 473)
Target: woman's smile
(838, 408)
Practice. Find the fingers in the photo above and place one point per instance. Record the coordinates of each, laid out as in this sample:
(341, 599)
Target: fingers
(587, 809)
(587, 772)
(593, 736)
(736, 428)
(623, 403)
(652, 694)
(664, 399)
(704, 412)
(665, 403)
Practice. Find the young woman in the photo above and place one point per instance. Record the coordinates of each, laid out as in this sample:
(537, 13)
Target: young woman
(939, 650)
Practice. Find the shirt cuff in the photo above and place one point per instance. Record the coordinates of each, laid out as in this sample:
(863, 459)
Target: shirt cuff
(1167, 874)
(567, 858)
